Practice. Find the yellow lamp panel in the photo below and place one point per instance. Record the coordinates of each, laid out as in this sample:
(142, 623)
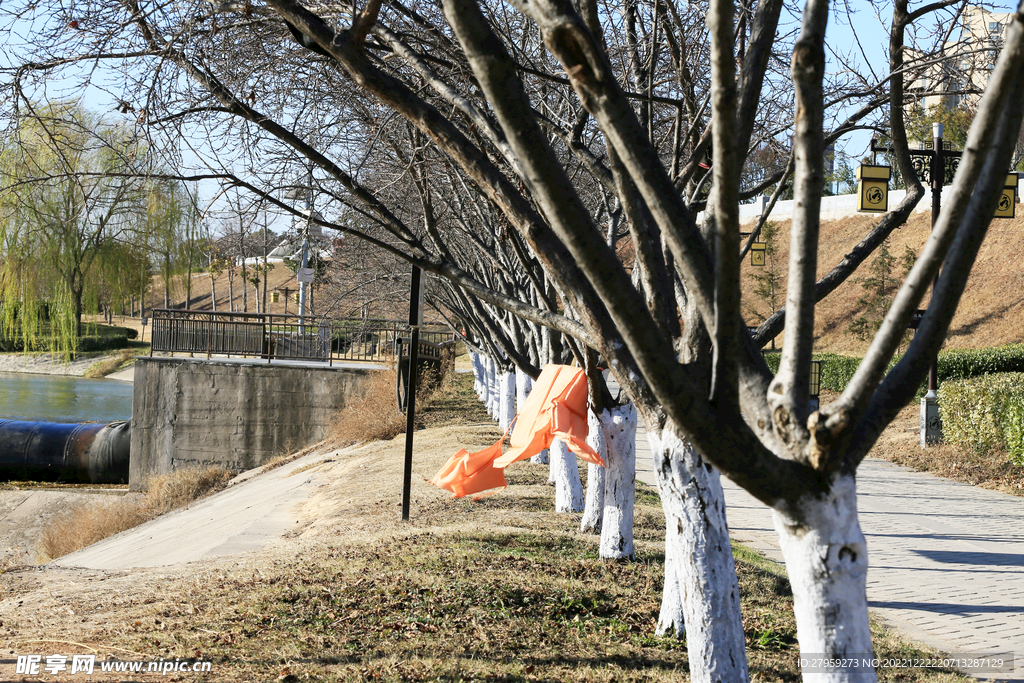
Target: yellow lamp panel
(1008, 198)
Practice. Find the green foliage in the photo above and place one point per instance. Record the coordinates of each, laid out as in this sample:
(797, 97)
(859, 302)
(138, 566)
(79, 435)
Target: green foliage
(985, 412)
(69, 200)
(956, 123)
(99, 338)
(955, 364)
(880, 287)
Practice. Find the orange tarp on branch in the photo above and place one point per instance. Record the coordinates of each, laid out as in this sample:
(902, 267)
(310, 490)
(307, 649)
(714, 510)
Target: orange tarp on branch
(556, 407)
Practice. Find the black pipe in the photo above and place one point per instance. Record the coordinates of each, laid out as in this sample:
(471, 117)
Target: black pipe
(93, 452)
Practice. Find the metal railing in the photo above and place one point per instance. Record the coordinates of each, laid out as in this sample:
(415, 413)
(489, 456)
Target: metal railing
(287, 337)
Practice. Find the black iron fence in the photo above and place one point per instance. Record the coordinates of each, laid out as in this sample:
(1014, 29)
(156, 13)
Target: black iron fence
(286, 336)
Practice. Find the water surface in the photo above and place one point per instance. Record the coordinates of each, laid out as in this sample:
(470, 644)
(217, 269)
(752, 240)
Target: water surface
(56, 398)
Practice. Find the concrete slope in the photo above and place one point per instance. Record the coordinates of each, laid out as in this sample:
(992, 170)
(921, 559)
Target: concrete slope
(250, 514)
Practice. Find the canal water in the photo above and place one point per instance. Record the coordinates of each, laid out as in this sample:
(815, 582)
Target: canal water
(57, 398)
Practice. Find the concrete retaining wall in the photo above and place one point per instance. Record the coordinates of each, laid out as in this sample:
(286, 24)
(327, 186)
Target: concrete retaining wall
(235, 413)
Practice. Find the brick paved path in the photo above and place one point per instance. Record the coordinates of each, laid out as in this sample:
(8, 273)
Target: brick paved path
(946, 560)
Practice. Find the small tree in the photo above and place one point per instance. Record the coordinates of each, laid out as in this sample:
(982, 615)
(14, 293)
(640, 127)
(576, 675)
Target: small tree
(768, 280)
(880, 287)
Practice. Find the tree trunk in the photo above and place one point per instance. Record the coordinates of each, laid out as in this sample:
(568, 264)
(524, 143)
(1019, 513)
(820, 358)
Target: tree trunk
(697, 543)
(245, 290)
(568, 487)
(672, 617)
(593, 510)
(478, 374)
(523, 385)
(619, 428)
(506, 399)
(231, 291)
(213, 291)
(827, 560)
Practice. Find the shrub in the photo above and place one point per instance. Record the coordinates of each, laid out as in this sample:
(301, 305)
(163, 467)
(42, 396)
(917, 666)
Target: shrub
(375, 416)
(985, 413)
(837, 371)
(84, 524)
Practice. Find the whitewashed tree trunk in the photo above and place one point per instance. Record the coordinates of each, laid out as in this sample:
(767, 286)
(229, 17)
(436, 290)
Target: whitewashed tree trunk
(619, 427)
(478, 384)
(568, 487)
(492, 388)
(827, 560)
(506, 399)
(697, 542)
(523, 385)
(671, 619)
(593, 510)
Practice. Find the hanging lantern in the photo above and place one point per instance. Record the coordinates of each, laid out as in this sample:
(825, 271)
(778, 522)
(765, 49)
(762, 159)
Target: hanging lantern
(873, 188)
(757, 252)
(1008, 198)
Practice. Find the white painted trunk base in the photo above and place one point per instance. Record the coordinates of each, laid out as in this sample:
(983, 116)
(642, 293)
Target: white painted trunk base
(619, 428)
(542, 458)
(523, 385)
(697, 543)
(478, 385)
(568, 486)
(593, 510)
(506, 400)
(493, 394)
(827, 560)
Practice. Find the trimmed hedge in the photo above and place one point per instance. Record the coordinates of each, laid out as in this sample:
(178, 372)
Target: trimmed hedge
(105, 338)
(955, 364)
(836, 370)
(985, 412)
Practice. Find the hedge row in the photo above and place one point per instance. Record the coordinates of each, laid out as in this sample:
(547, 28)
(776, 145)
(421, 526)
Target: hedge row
(105, 338)
(985, 412)
(837, 370)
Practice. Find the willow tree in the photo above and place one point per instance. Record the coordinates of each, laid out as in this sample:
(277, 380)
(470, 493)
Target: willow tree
(67, 195)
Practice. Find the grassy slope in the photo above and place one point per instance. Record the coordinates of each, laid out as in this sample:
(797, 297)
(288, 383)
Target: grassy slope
(989, 313)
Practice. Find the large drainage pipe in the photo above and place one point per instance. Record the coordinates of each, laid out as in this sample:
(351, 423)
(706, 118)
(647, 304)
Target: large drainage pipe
(96, 453)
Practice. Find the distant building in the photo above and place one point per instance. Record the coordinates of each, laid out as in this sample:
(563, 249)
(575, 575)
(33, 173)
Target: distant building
(960, 80)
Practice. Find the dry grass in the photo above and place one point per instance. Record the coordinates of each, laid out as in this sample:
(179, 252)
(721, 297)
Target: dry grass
(85, 524)
(106, 366)
(375, 415)
(500, 590)
(989, 312)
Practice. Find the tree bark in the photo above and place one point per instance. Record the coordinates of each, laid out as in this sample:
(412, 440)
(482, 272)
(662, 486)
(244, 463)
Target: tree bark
(697, 544)
(593, 510)
(506, 400)
(568, 487)
(619, 427)
(827, 560)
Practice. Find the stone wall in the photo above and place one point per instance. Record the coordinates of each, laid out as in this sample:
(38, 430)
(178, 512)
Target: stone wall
(237, 413)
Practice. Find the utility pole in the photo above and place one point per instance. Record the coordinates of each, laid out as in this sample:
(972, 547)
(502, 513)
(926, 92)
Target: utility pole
(415, 321)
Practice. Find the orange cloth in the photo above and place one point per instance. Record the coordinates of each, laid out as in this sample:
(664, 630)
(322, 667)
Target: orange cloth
(556, 407)
(467, 473)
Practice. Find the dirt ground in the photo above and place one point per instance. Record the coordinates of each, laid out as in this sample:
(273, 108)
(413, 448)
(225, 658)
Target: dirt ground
(357, 502)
